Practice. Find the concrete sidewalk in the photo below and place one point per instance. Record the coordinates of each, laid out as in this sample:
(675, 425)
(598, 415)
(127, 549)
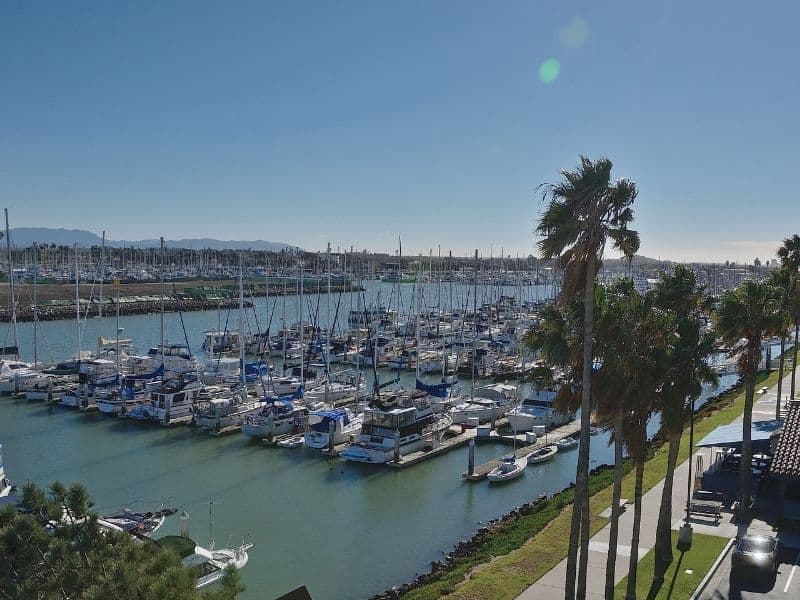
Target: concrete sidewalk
(551, 586)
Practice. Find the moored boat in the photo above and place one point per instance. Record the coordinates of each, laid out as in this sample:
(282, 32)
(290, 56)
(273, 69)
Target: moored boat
(510, 467)
(567, 443)
(542, 455)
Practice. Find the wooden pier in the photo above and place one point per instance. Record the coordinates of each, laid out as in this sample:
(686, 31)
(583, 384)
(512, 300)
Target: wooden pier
(480, 471)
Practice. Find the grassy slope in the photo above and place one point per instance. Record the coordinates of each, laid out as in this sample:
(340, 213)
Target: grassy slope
(678, 584)
(511, 572)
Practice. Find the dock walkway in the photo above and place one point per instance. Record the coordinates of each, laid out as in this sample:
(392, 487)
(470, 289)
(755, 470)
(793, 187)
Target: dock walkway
(552, 437)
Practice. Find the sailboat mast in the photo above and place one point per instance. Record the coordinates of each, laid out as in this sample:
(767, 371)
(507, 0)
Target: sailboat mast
(161, 324)
(102, 272)
(330, 321)
(116, 283)
(418, 298)
(241, 319)
(77, 305)
(283, 270)
(35, 307)
(474, 316)
(302, 329)
(12, 302)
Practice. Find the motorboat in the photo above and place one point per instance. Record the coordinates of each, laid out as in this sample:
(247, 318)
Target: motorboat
(296, 441)
(209, 564)
(222, 411)
(339, 422)
(538, 408)
(567, 443)
(510, 467)
(542, 455)
(170, 403)
(486, 403)
(394, 426)
(136, 523)
(276, 417)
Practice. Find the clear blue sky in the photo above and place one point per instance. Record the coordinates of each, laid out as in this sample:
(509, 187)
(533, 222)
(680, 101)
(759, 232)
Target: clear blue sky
(356, 122)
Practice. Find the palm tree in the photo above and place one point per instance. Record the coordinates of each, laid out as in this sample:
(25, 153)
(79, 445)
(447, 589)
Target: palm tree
(789, 253)
(616, 383)
(635, 431)
(682, 301)
(584, 211)
(744, 317)
(781, 281)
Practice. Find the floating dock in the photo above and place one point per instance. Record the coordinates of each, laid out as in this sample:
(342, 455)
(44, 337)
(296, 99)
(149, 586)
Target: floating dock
(480, 471)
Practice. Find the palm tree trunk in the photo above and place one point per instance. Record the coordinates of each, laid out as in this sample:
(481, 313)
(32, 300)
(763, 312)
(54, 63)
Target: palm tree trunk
(613, 534)
(780, 374)
(582, 471)
(745, 467)
(794, 362)
(630, 593)
(663, 549)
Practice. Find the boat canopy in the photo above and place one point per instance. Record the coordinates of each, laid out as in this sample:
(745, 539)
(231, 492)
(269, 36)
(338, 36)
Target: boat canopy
(296, 395)
(319, 419)
(437, 390)
(142, 376)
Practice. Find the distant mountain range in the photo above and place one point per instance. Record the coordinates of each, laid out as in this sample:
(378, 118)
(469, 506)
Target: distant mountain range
(25, 236)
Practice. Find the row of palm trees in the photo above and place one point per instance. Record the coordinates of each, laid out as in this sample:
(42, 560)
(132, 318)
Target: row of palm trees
(627, 355)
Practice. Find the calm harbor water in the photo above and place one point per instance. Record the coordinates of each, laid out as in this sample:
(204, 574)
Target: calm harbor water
(344, 530)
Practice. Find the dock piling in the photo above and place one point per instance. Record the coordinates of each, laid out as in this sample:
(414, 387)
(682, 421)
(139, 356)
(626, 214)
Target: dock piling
(471, 467)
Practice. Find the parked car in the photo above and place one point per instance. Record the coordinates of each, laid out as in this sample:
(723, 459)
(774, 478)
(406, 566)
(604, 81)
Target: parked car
(755, 552)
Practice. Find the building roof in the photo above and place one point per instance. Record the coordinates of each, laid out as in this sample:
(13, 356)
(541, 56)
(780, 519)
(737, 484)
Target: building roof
(730, 436)
(786, 462)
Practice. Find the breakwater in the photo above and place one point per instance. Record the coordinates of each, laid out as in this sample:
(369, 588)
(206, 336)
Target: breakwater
(59, 309)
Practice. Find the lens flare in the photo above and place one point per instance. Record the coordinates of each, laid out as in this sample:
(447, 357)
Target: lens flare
(548, 70)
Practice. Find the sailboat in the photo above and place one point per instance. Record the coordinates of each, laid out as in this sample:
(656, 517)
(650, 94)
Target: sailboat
(7, 489)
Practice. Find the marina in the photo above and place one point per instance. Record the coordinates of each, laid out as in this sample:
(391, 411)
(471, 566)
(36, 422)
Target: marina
(276, 497)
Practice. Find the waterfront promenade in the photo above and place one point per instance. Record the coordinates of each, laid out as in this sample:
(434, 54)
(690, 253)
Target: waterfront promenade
(551, 585)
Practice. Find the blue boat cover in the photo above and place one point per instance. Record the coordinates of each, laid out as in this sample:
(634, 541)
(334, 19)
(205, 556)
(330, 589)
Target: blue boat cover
(327, 416)
(437, 390)
(256, 368)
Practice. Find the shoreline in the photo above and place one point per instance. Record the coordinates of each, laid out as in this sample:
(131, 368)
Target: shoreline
(532, 517)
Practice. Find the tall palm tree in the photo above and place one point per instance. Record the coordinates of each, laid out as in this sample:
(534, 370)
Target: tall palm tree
(584, 211)
(789, 253)
(681, 300)
(744, 317)
(635, 431)
(781, 281)
(616, 383)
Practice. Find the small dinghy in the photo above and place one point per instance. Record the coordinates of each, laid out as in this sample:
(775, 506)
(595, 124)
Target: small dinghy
(568, 443)
(509, 468)
(542, 454)
(296, 441)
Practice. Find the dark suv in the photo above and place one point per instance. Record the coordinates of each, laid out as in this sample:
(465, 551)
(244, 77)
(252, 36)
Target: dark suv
(755, 552)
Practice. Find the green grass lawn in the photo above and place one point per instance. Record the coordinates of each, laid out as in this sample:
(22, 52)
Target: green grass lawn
(684, 574)
(524, 552)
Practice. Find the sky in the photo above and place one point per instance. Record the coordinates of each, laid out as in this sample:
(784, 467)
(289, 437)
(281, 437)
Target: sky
(361, 122)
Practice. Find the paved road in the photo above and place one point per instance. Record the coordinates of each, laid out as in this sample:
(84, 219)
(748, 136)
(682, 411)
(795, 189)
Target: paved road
(785, 586)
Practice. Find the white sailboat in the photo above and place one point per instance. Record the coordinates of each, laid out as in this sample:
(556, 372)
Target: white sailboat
(510, 467)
